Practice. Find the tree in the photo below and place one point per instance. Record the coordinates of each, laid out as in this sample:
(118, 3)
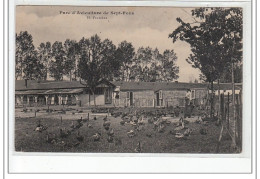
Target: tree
(45, 55)
(169, 68)
(71, 48)
(215, 38)
(57, 64)
(34, 68)
(97, 62)
(150, 66)
(24, 49)
(125, 54)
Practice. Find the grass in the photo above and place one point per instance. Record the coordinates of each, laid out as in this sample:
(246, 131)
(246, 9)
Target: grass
(28, 140)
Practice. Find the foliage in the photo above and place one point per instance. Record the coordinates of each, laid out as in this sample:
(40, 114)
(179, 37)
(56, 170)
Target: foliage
(215, 39)
(24, 48)
(97, 61)
(71, 48)
(44, 55)
(27, 66)
(94, 60)
(124, 54)
(58, 62)
(149, 65)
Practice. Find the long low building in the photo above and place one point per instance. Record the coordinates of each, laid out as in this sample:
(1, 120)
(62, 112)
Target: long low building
(117, 94)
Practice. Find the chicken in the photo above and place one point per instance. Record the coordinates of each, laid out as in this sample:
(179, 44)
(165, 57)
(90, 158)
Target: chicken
(198, 121)
(94, 118)
(80, 120)
(106, 125)
(131, 133)
(118, 141)
(139, 127)
(96, 137)
(138, 148)
(180, 136)
(76, 144)
(134, 119)
(40, 129)
(122, 123)
(64, 133)
(105, 119)
(90, 126)
(149, 135)
(140, 121)
(203, 131)
(172, 132)
(180, 125)
(133, 123)
(51, 140)
(168, 122)
(79, 123)
(187, 132)
(110, 139)
(72, 125)
(161, 128)
(79, 137)
(111, 132)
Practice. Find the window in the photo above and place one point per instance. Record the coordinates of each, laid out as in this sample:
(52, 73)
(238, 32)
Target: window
(117, 95)
(160, 94)
(192, 94)
(99, 91)
(108, 96)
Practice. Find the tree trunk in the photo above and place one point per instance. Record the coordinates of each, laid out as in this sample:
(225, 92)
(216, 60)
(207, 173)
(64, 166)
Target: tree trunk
(93, 92)
(233, 126)
(70, 76)
(219, 108)
(211, 101)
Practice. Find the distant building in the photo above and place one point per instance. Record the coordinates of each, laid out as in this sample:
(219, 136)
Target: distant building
(117, 94)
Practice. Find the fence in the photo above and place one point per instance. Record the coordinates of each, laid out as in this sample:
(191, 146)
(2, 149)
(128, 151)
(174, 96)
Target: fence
(232, 115)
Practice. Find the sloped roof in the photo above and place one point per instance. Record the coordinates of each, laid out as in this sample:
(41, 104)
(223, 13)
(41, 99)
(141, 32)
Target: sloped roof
(46, 85)
(124, 86)
(155, 86)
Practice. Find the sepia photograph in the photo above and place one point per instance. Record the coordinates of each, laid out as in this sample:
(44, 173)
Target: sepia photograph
(92, 79)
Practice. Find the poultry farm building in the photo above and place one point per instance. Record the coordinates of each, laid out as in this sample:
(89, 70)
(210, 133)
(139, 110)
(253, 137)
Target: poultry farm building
(113, 94)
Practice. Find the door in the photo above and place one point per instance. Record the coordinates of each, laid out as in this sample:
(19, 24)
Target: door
(157, 99)
(131, 99)
(108, 96)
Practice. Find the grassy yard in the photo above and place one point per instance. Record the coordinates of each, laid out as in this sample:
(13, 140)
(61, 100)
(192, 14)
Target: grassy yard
(151, 141)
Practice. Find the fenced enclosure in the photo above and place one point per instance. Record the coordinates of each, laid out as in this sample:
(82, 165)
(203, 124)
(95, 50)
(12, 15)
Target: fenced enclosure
(230, 115)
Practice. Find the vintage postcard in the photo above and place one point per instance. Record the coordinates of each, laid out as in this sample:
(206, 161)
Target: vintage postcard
(128, 79)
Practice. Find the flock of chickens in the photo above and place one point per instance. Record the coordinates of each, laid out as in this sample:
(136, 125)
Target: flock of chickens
(137, 121)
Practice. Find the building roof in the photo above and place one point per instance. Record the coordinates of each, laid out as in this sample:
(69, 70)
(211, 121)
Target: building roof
(124, 86)
(155, 86)
(47, 85)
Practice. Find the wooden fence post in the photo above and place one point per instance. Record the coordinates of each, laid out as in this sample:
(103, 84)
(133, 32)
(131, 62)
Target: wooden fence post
(228, 121)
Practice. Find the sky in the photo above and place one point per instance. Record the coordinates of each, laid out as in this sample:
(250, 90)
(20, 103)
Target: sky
(142, 26)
